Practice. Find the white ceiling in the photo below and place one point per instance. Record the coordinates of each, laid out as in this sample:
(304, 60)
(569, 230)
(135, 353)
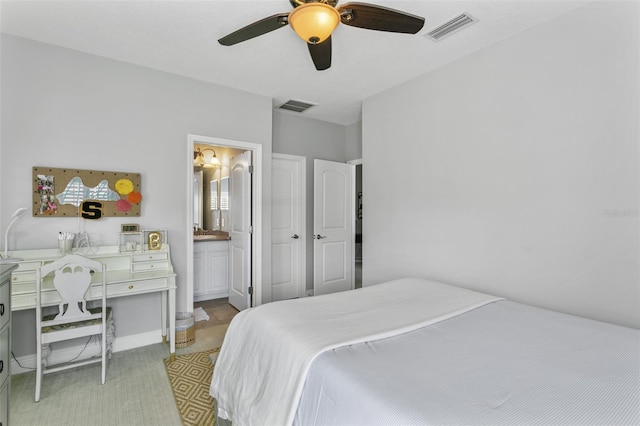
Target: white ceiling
(180, 37)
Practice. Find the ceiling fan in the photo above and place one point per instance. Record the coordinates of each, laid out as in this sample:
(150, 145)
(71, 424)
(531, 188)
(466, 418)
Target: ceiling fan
(315, 20)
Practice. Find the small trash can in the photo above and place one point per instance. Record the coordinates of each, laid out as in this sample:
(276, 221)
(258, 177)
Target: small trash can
(185, 329)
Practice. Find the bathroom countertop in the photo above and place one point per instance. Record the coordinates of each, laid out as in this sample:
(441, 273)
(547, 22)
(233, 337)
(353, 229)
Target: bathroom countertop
(211, 237)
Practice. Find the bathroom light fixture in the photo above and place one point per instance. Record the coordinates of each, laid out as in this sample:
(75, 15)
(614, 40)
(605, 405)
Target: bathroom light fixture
(201, 159)
(15, 216)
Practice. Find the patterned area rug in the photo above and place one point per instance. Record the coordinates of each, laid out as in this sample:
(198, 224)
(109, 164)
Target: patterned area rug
(190, 377)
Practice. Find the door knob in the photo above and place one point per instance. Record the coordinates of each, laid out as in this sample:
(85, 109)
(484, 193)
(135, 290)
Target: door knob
(295, 236)
(319, 237)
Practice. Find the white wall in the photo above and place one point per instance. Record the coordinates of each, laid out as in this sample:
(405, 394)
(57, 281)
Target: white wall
(63, 108)
(298, 135)
(515, 170)
(354, 141)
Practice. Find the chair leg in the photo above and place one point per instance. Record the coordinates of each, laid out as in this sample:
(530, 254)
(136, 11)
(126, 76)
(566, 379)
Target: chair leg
(104, 367)
(38, 372)
(104, 355)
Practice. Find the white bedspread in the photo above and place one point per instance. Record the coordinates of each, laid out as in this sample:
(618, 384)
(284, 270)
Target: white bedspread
(502, 364)
(267, 351)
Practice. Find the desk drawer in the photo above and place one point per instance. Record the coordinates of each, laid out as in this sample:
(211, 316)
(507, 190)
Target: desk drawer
(25, 272)
(5, 305)
(124, 289)
(30, 287)
(147, 257)
(23, 277)
(27, 267)
(149, 266)
(4, 355)
(25, 287)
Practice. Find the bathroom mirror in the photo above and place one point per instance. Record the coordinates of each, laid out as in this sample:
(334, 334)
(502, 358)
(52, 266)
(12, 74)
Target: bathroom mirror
(197, 199)
(205, 197)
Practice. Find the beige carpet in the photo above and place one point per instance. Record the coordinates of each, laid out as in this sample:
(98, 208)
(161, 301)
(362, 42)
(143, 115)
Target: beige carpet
(190, 377)
(137, 392)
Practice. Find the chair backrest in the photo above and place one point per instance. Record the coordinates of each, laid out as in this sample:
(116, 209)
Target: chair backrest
(72, 279)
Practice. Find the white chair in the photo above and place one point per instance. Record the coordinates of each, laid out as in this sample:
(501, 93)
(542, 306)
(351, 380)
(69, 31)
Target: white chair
(71, 287)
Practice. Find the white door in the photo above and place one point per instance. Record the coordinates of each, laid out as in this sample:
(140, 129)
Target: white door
(240, 230)
(288, 239)
(333, 221)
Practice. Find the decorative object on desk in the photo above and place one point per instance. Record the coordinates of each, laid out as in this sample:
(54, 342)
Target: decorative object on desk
(65, 242)
(155, 239)
(83, 244)
(130, 227)
(15, 216)
(130, 241)
(96, 193)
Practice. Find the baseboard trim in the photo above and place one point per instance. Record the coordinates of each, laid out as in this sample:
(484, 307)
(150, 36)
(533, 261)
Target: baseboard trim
(212, 295)
(137, 340)
(27, 363)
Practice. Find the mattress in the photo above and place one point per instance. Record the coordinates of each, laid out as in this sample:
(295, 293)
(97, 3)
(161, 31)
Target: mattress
(502, 363)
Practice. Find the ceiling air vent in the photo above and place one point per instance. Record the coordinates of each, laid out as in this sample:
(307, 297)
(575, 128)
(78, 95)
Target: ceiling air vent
(296, 105)
(450, 27)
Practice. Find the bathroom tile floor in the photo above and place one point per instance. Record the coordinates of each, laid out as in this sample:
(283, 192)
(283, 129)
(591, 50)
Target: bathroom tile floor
(219, 310)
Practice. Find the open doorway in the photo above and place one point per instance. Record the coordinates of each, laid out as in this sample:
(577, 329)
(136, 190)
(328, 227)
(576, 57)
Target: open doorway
(357, 267)
(254, 275)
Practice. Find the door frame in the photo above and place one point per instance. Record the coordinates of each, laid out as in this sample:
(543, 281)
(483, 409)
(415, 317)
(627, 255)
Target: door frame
(302, 218)
(256, 197)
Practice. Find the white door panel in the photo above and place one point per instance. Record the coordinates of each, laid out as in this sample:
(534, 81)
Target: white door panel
(334, 203)
(334, 268)
(334, 218)
(240, 230)
(288, 227)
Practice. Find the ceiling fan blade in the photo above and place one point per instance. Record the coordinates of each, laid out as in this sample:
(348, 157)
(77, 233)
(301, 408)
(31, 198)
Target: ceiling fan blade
(372, 17)
(260, 27)
(321, 54)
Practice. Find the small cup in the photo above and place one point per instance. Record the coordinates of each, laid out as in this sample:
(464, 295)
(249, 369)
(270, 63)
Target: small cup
(65, 246)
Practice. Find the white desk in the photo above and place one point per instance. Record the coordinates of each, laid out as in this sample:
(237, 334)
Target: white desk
(128, 274)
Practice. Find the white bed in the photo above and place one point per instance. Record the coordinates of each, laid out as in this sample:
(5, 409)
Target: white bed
(414, 351)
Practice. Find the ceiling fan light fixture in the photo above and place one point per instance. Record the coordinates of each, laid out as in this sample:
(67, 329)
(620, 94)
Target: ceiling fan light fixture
(314, 22)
